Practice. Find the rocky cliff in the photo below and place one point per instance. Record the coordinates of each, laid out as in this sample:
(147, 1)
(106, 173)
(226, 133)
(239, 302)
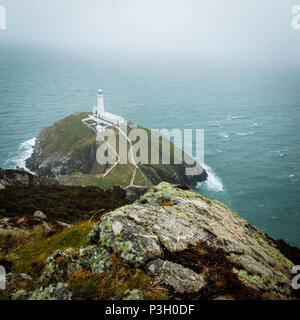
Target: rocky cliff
(171, 243)
(67, 151)
(17, 178)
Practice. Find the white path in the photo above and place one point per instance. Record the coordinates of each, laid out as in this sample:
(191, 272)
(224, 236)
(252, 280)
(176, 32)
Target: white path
(95, 128)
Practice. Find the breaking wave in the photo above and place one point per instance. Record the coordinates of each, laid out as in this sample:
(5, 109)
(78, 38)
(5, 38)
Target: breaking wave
(24, 152)
(213, 182)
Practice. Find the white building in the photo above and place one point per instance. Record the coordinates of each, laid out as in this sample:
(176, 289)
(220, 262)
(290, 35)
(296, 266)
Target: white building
(100, 113)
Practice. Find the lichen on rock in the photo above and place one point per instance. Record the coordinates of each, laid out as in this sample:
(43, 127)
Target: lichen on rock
(182, 280)
(95, 259)
(125, 238)
(134, 294)
(59, 267)
(58, 291)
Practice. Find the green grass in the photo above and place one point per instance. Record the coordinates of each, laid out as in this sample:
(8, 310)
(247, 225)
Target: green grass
(120, 176)
(67, 135)
(31, 257)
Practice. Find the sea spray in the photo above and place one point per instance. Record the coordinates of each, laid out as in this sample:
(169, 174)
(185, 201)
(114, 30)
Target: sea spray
(25, 150)
(213, 182)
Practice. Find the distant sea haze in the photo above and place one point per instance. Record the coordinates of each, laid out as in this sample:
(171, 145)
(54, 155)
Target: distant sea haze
(250, 116)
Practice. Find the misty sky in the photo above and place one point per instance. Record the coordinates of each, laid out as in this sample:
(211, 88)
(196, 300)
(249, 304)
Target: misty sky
(230, 28)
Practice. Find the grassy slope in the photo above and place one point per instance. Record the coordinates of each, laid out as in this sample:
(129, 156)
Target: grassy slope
(66, 135)
(30, 258)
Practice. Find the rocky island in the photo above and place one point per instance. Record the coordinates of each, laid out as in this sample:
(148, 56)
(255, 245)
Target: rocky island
(67, 151)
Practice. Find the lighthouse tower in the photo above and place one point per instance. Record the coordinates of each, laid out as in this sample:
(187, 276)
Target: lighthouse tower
(100, 107)
(106, 118)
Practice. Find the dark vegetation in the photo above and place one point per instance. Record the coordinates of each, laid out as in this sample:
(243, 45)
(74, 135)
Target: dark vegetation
(213, 263)
(69, 204)
(292, 253)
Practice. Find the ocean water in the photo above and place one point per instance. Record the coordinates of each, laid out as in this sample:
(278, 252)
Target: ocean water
(250, 116)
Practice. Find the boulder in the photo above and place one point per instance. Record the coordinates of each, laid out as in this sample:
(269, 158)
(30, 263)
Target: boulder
(182, 280)
(39, 215)
(64, 225)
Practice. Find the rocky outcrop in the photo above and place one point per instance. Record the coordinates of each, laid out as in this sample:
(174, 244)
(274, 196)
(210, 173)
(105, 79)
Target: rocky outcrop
(17, 178)
(192, 247)
(168, 223)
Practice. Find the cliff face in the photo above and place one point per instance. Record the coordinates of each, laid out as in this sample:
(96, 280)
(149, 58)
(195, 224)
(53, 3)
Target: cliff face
(64, 148)
(67, 151)
(171, 243)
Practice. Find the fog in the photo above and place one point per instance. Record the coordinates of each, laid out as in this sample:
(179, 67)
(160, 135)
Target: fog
(231, 29)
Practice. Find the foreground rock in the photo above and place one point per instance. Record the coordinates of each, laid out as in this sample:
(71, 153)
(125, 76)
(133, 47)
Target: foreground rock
(176, 225)
(39, 215)
(183, 280)
(191, 247)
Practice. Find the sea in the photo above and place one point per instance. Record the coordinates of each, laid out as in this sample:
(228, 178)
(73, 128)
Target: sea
(250, 115)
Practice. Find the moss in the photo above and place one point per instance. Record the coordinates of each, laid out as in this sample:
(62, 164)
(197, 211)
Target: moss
(249, 280)
(271, 282)
(19, 295)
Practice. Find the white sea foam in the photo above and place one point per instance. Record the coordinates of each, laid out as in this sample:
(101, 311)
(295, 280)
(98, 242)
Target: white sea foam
(282, 155)
(255, 124)
(224, 135)
(25, 151)
(244, 133)
(213, 183)
(230, 117)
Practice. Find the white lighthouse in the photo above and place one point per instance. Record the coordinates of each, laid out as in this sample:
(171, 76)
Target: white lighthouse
(105, 117)
(100, 107)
